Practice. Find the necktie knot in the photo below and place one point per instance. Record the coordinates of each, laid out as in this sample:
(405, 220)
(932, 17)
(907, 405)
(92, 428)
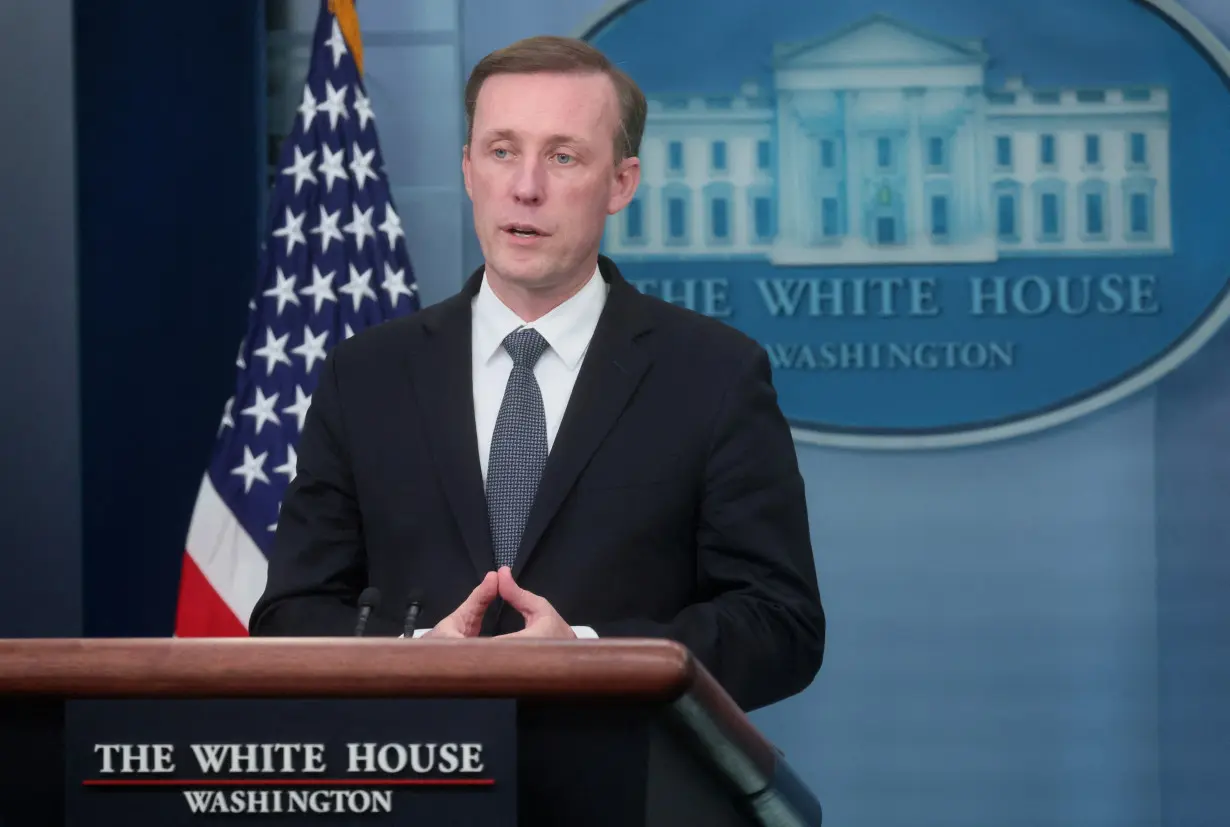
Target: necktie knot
(525, 346)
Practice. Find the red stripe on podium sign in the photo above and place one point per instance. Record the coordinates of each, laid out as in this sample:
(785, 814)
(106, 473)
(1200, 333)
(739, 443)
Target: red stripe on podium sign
(288, 782)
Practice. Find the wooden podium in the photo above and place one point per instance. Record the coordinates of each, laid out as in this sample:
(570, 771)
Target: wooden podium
(380, 731)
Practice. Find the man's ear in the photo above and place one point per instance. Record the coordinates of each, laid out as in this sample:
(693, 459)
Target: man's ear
(465, 168)
(627, 178)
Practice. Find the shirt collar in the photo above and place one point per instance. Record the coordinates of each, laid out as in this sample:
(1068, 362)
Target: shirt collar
(567, 329)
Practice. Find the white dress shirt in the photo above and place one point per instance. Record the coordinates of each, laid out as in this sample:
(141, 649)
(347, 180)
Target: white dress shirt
(567, 329)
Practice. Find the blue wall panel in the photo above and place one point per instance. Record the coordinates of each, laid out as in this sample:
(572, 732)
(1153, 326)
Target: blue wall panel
(40, 439)
(170, 160)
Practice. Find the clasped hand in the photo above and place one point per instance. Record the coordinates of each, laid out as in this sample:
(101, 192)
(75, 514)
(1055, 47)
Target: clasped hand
(541, 619)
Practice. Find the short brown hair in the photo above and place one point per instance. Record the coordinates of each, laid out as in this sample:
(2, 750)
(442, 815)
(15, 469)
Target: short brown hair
(550, 53)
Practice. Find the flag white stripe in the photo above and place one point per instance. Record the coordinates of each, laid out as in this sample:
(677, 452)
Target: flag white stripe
(228, 558)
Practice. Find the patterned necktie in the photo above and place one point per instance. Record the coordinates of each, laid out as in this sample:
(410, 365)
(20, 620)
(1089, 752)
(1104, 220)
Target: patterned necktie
(518, 447)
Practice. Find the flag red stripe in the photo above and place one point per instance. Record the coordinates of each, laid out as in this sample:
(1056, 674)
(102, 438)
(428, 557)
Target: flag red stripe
(231, 564)
(202, 612)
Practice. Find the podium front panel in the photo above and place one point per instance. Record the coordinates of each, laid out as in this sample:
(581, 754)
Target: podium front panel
(239, 761)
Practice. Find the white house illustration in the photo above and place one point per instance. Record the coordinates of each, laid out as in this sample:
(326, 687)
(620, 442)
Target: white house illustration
(882, 144)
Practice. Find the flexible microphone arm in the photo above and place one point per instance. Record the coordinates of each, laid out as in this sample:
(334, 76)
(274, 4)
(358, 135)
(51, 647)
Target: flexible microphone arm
(412, 613)
(368, 600)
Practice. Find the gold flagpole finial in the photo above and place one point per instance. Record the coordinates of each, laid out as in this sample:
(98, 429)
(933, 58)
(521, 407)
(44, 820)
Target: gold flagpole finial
(348, 22)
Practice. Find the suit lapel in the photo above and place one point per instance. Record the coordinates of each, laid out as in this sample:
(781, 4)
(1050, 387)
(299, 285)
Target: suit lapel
(444, 385)
(614, 365)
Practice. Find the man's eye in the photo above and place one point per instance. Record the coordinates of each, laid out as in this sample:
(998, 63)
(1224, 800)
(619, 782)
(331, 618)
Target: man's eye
(563, 158)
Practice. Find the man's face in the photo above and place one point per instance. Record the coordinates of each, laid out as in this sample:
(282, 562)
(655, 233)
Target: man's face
(540, 169)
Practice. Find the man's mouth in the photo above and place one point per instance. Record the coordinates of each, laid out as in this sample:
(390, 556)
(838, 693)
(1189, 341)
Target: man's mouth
(523, 230)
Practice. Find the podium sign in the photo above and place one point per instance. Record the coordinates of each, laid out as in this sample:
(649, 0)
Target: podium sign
(238, 761)
(379, 731)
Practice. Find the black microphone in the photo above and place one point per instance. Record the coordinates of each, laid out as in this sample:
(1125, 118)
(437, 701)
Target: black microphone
(412, 613)
(369, 600)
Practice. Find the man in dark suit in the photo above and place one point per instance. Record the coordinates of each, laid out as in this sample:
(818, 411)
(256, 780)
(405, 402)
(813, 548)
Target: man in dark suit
(551, 453)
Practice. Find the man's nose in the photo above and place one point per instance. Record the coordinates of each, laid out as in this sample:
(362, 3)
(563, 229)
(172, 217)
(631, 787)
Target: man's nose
(528, 185)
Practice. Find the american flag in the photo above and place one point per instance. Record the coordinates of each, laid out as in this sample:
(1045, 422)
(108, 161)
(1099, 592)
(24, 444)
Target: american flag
(333, 262)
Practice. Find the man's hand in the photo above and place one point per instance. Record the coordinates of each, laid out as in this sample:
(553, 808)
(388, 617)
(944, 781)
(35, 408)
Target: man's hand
(541, 619)
(467, 619)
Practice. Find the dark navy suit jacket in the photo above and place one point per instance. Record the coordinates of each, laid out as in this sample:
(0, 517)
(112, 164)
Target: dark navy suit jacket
(671, 505)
